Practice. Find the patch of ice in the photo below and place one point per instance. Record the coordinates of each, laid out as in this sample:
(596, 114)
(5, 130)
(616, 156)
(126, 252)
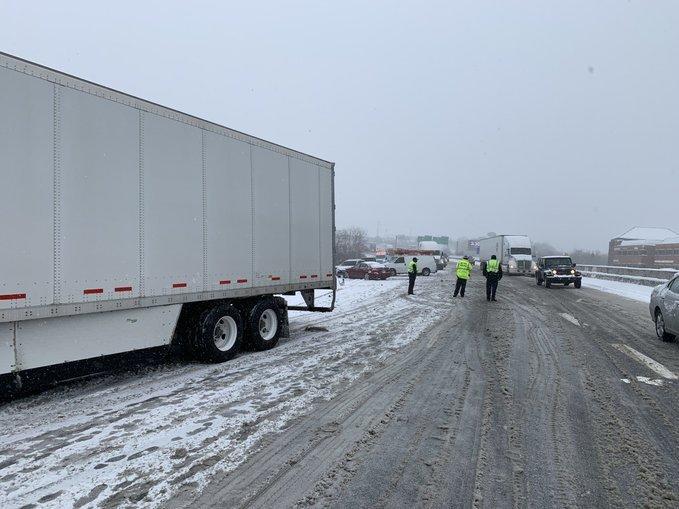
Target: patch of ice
(646, 380)
(570, 318)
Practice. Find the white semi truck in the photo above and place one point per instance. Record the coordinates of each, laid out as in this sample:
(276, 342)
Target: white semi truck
(128, 225)
(513, 251)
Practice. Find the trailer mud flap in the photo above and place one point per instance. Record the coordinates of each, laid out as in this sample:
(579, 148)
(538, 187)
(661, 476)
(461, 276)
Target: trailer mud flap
(285, 325)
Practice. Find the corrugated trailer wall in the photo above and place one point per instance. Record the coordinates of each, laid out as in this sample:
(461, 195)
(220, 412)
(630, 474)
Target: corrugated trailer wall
(105, 202)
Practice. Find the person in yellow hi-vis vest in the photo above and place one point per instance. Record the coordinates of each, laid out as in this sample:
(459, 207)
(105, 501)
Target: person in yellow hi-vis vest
(412, 274)
(493, 272)
(463, 271)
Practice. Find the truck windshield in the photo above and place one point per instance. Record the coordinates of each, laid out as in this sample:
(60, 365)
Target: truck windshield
(520, 250)
(555, 262)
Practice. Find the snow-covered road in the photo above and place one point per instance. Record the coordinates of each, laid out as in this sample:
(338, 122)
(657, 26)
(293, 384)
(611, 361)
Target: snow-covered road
(131, 439)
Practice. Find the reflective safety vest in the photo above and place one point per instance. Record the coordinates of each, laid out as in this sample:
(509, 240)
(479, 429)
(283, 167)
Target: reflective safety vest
(463, 269)
(412, 267)
(492, 266)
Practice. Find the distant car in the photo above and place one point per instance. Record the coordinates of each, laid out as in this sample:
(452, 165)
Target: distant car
(368, 270)
(557, 270)
(664, 308)
(341, 269)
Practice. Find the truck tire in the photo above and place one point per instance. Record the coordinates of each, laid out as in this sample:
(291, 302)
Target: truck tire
(219, 333)
(577, 283)
(393, 271)
(426, 271)
(264, 325)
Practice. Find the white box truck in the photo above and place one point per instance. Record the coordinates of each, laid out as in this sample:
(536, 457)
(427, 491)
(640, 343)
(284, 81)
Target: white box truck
(127, 225)
(513, 251)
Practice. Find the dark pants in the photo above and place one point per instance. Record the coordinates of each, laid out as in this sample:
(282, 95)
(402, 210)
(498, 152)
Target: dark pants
(411, 283)
(491, 288)
(460, 286)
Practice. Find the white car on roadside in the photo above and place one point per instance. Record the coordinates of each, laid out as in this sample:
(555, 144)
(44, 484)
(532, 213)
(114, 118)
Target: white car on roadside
(426, 264)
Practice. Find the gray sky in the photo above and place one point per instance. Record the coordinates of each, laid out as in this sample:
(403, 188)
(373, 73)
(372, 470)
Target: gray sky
(555, 119)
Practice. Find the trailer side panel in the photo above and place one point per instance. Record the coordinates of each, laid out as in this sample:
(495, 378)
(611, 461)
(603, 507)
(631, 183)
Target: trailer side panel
(27, 164)
(304, 221)
(79, 337)
(173, 206)
(271, 220)
(99, 199)
(327, 225)
(228, 190)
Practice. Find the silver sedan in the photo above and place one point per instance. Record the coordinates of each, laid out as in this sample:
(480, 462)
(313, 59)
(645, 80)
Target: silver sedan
(664, 309)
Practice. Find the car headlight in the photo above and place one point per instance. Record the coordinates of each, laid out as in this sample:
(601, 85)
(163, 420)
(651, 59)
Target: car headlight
(572, 271)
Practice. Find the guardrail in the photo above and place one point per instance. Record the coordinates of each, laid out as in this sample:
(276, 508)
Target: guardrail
(636, 275)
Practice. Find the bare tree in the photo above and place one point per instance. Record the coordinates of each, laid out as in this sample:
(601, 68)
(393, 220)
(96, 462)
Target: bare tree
(350, 243)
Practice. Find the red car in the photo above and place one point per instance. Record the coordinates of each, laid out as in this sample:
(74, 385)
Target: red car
(368, 270)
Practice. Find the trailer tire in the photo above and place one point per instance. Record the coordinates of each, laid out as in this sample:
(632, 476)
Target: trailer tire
(219, 333)
(265, 324)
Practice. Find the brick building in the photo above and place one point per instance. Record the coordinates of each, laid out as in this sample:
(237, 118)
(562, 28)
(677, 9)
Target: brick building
(645, 247)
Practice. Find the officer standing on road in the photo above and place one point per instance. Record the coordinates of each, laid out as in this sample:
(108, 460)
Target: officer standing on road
(493, 272)
(412, 274)
(463, 271)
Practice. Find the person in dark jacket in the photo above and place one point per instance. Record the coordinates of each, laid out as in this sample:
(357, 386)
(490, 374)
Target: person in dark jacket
(412, 274)
(493, 272)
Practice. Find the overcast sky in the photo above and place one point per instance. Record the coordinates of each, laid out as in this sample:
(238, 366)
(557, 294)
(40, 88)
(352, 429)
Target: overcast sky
(559, 120)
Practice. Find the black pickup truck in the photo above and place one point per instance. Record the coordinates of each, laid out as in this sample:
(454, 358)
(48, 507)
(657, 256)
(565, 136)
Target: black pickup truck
(557, 269)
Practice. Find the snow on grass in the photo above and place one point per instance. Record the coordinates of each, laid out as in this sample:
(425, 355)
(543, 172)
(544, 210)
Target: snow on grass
(629, 290)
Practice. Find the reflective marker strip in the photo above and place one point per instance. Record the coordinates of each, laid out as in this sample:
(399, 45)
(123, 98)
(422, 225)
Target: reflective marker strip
(13, 296)
(90, 291)
(328, 275)
(275, 278)
(314, 275)
(302, 277)
(225, 282)
(179, 285)
(242, 281)
(123, 288)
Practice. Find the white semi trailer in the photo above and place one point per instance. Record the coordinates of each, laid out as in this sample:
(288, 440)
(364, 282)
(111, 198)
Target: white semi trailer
(513, 251)
(127, 225)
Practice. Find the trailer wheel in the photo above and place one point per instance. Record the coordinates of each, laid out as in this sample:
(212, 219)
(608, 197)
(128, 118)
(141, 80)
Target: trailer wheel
(219, 334)
(264, 325)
